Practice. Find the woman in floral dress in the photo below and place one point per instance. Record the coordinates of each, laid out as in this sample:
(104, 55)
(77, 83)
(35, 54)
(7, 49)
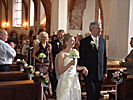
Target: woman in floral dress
(47, 64)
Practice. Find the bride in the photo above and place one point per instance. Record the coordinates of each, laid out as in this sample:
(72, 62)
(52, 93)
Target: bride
(68, 87)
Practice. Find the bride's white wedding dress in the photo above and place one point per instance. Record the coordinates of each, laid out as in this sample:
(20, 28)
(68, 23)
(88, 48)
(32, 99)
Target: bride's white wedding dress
(68, 87)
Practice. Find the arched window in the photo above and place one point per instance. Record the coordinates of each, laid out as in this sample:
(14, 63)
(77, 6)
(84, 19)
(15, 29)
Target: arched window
(31, 13)
(17, 13)
(100, 18)
(99, 15)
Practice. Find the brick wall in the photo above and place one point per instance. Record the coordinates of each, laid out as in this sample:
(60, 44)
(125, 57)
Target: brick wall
(76, 11)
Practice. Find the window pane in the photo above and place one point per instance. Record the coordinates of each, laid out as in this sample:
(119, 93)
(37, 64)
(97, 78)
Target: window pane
(31, 13)
(18, 0)
(18, 22)
(17, 11)
(18, 6)
(18, 14)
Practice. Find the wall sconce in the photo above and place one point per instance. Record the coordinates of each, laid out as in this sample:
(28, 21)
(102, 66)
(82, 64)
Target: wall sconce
(5, 25)
(25, 25)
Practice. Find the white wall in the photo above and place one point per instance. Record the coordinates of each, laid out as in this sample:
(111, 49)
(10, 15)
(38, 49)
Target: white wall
(59, 15)
(130, 25)
(118, 29)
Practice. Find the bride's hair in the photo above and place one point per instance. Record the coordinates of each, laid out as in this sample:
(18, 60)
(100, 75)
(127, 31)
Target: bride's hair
(66, 38)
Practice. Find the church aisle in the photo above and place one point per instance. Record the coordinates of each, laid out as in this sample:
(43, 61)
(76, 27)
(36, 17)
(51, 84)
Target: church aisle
(105, 96)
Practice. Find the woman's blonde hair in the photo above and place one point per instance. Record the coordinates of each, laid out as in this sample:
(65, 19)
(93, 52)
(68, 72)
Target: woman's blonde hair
(41, 34)
(66, 37)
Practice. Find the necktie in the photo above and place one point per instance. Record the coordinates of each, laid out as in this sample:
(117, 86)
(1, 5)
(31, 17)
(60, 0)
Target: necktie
(96, 43)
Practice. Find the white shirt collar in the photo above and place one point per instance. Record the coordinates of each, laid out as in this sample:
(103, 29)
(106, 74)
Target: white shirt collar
(95, 38)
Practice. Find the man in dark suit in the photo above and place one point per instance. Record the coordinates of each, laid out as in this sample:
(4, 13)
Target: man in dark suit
(93, 56)
(57, 46)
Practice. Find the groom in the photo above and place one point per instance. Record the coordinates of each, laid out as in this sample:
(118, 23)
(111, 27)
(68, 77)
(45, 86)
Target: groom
(93, 56)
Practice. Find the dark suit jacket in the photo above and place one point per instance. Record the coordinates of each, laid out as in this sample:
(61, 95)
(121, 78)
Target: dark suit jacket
(56, 48)
(94, 60)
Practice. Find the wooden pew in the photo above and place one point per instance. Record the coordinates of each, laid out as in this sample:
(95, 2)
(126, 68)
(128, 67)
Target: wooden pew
(13, 76)
(125, 89)
(112, 66)
(14, 67)
(20, 90)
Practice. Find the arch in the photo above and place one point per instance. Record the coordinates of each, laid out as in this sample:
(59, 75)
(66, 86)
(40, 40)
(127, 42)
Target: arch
(24, 2)
(47, 7)
(5, 2)
(76, 11)
(0, 14)
(35, 7)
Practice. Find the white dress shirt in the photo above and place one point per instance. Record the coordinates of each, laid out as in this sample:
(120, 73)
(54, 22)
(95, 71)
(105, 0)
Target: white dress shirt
(7, 53)
(96, 40)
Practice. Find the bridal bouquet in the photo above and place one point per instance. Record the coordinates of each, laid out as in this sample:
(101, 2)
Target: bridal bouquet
(74, 54)
(117, 76)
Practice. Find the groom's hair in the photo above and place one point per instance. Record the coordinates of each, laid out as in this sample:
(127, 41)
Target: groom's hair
(92, 25)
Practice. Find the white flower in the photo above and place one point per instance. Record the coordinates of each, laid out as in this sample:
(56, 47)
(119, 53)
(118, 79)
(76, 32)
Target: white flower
(37, 73)
(74, 53)
(58, 44)
(18, 60)
(92, 43)
(121, 70)
(31, 69)
(42, 56)
(117, 75)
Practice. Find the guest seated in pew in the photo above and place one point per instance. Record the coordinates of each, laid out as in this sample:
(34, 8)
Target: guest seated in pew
(129, 60)
(47, 64)
(7, 52)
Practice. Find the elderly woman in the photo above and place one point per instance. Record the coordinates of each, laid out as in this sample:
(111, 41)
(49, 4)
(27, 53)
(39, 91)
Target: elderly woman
(47, 64)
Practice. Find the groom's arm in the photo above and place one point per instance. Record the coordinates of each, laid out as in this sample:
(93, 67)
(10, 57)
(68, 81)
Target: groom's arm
(81, 61)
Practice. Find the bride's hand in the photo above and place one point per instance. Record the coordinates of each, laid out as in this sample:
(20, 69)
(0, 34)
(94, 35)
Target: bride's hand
(85, 71)
(72, 62)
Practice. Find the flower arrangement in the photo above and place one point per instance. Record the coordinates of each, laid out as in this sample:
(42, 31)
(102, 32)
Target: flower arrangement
(21, 61)
(74, 54)
(92, 43)
(31, 69)
(44, 78)
(117, 75)
(23, 64)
